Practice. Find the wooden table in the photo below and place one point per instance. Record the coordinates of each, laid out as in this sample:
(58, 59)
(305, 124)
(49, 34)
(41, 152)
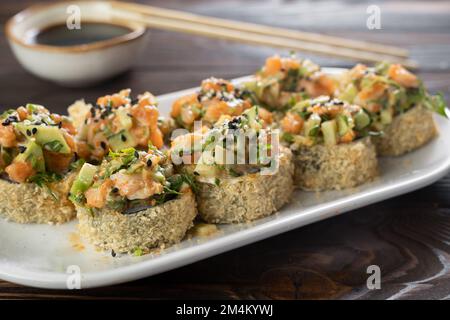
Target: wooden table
(408, 236)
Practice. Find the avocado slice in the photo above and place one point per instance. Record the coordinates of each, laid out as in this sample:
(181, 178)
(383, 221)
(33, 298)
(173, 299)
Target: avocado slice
(329, 129)
(349, 93)
(49, 137)
(342, 124)
(253, 118)
(32, 153)
(362, 120)
(121, 140)
(83, 180)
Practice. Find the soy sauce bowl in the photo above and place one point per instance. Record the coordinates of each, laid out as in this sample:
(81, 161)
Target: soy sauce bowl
(80, 64)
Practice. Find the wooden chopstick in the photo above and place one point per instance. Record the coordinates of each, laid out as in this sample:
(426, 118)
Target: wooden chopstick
(251, 38)
(262, 29)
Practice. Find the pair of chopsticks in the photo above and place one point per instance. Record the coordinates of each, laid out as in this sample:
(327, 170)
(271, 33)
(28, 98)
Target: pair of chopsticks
(250, 33)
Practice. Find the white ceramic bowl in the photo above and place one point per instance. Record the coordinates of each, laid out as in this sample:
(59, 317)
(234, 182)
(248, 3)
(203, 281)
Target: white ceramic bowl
(78, 65)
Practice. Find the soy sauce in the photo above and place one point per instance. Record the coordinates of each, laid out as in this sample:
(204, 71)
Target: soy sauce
(61, 36)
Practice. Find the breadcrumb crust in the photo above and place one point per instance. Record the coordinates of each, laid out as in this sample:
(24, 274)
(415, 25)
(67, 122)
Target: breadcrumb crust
(29, 203)
(346, 165)
(156, 227)
(249, 197)
(407, 132)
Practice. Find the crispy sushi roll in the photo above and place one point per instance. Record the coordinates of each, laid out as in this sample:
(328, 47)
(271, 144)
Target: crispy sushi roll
(401, 108)
(331, 144)
(235, 183)
(37, 165)
(117, 122)
(282, 82)
(215, 98)
(133, 202)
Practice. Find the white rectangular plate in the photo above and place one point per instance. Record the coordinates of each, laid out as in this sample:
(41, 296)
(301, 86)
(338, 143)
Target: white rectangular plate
(46, 256)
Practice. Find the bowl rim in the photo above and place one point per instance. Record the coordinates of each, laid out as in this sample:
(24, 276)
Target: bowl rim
(136, 30)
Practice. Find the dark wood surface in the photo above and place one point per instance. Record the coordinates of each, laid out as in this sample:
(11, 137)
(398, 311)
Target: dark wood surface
(407, 236)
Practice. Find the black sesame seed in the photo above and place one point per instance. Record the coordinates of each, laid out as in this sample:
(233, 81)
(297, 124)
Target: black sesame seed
(22, 149)
(113, 253)
(103, 145)
(28, 132)
(196, 173)
(13, 119)
(123, 138)
(149, 162)
(136, 154)
(34, 130)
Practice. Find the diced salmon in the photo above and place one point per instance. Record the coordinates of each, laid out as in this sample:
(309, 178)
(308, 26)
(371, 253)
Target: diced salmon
(116, 100)
(358, 71)
(69, 127)
(179, 103)
(147, 99)
(20, 171)
(320, 85)
(69, 140)
(373, 107)
(405, 78)
(348, 137)
(273, 65)
(214, 109)
(187, 115)
(82, 149)
(57, 162)
(96, 197)
(136, 186)
(7, 136)
(265, 115)
(217, 85)
(289, 63)
(156, 137)
(145, 114)
(292, 123)
(373, 92)
(22, 112)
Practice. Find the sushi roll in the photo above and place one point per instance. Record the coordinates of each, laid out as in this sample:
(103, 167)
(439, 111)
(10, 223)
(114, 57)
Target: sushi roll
(330, 140)
(229, 190)
(216, 97)
(401, 108)
(38, 158)
(282, 82)
(133, 202)
(117, 122)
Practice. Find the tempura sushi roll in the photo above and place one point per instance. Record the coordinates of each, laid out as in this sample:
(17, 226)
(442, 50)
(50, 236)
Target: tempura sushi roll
(282, 82)
(37, 158)
(215, 98)
(133, 202)
(231, 190)
(117, 122)
(330, 143)
(398, 103)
